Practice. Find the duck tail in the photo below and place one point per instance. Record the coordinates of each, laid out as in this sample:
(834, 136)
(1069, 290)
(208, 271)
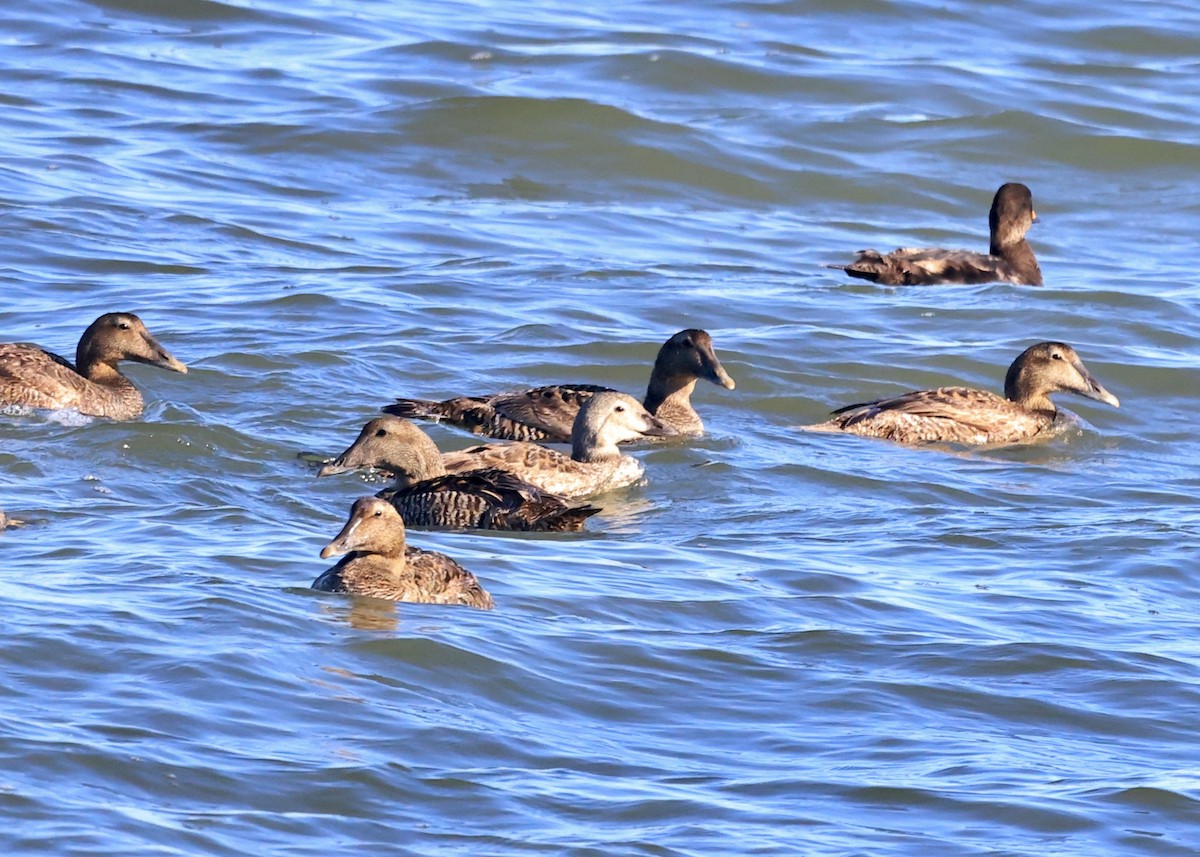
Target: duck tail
(416, 409)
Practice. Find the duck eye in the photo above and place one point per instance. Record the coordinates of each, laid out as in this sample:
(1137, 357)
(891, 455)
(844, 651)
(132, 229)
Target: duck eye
(687, 342)
(381, 432)
(124, 325)
(378, 513)
(1057, 355)
(620, 409)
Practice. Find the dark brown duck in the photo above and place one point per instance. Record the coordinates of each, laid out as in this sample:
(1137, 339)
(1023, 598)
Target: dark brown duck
(548, 413)
(32, 377)
(965, 415)
(1010, 259)
(379, 564)
(427, 496)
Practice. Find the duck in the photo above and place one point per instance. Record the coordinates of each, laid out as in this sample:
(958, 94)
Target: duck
(548, 413)
(1009, 259)
(595, 464)
(378, 563)
(427, 496)
(969, 416)
(32, 377)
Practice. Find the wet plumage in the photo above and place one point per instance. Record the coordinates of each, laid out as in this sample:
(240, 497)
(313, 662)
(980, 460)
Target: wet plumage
(32, 377)
(427, 496)
(548, 413)
(379, 564)
(1009, 258)
(969, 416)
(595, 465)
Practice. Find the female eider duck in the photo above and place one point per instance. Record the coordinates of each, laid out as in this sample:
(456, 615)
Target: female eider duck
(964, 415)
(1010, 258)
(595, 465)
(33, 377)
(548, 413)
(379, 564)
(427, 496)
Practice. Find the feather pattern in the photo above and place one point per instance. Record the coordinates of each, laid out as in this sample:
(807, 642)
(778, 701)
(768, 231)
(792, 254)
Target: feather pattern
(548, 413)
(969, 416)
(32, 377)
(378, 563)
(1009, 258)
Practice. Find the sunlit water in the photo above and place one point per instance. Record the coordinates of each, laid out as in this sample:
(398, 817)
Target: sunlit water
(783, 643)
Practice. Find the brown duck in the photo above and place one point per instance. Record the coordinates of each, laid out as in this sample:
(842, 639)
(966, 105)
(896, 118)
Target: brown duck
(427, 496)
(380, 565)
(595, 464)
(548, 413)
(33, 377)
(964, 415)
(1009, 259)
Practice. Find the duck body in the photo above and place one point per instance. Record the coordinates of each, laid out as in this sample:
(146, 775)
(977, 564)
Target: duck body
(1009, 258)
(968, 416)
(548, 413)
(32, 377)
(379, 564)
(427, 496)
(595, 464)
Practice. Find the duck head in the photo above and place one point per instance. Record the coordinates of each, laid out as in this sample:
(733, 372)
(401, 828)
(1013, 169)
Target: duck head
(393, 444)
(374, 526)
(118, 336)
(1011, 216)
(609, 418)
(1052, 367)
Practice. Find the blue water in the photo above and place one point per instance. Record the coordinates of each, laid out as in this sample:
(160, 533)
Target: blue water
(782, 643)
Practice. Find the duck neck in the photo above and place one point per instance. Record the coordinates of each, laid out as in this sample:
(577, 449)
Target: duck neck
(421, 462)
(1018, 389)
(113, 395)
(670, 398)
(588, 444)
(1020, 256)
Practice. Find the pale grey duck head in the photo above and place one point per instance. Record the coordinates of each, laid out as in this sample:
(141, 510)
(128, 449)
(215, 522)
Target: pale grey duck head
(609, 418)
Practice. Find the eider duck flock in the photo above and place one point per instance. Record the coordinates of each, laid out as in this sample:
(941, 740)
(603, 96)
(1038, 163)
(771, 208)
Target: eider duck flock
(520, 483)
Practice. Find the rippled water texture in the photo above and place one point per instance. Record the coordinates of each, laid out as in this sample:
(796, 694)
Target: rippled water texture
(783, 643)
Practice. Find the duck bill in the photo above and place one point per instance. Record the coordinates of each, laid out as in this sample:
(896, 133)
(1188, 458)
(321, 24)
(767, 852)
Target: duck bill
(343, 542)
(657, 428)
(159, 356)
(715, 372)
(351, 459)
(1093, 389)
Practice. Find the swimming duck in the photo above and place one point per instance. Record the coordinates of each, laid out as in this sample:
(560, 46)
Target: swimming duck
(595, 464)
(33, 377)
(548, 413)
(1009, 259)
(427, 496)
(379, 564)
(964, 415)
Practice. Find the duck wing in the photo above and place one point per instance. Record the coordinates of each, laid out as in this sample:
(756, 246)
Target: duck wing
(486, 499)
(923, 266)
(542, 413)
(952, 414)
(36, 378)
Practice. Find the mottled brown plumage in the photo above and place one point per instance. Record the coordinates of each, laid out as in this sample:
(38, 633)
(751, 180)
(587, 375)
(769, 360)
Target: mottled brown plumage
(968, 416)
(379, 564)
(33, 377)
(429, 497)
(1009, 259)
(595, 464)
(548, 413)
